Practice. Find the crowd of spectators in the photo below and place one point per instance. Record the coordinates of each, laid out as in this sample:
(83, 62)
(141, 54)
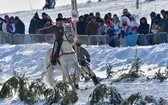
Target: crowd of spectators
(12, 25)
(117, 27)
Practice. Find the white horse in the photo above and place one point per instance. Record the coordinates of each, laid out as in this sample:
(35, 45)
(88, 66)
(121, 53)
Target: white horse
(67, 60)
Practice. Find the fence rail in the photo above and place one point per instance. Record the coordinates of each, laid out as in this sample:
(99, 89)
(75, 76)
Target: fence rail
(153, 38)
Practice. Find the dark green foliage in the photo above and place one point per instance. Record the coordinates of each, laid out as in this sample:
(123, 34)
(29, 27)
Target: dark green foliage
(160, 76)
(130, 76)
(115, 98)
(134, 71)
(150, 99)
(30, 92)
(162, 101)
(136, 62)
(133, 98)
(102, 94)
(67, 96)
(98, 94)
(109, 71)
(12, 85)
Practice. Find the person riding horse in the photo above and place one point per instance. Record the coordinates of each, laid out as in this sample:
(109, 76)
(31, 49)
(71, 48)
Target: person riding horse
(58, 30)
(84, 60)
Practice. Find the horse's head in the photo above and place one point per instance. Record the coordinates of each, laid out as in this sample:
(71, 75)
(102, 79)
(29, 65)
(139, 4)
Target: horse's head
(68, 32)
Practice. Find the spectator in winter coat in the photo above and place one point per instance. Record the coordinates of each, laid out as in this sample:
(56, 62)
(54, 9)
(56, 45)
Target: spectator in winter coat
(106, 17)
(124, 24)
(126, 13)
(98, 16)
(44, 19)
(164, 25)
(4, 24)
(116, 26)
(12, 26)
(153, 17)
(162, 12)
(101, 31)
(81, 25)
(1, 22)
(133, 26)
(156, 24)
(91, 29)
(8, 26)
(110, 28)
(144, 26)
(111, 32)
(35, 24)
(90, 16)
(60, 15)
(86, 16)
(20, 27)
(102, 27)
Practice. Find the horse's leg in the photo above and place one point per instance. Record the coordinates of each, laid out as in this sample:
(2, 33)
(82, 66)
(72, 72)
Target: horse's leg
(50, 75)
(66, 74)
(77, 74)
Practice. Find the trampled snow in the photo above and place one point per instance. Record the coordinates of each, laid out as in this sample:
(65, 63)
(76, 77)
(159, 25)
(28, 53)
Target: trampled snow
(29, 58)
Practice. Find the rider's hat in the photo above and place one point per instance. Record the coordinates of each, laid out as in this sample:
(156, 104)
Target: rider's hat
(78, 43)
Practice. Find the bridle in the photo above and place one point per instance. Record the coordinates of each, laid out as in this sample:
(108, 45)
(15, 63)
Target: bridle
(68, 34)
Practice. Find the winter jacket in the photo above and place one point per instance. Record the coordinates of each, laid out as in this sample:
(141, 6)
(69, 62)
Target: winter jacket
(4, 24)
(20, 27)
(124, 23)
(133, 28)
(12, 28)
(82, 53)
(164, 26)
(91, 28)
(35, 24)
(101, 30)
(81, 27)
(143, 27)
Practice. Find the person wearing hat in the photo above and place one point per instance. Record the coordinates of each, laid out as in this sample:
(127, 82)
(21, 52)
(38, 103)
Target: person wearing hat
(101, 31)
(92, 28)
(164, 25)
(58, 31)
(84, 60)
(1, 21)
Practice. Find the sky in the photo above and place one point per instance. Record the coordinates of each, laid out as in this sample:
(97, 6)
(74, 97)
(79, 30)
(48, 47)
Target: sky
(7, 6)
(29, 58)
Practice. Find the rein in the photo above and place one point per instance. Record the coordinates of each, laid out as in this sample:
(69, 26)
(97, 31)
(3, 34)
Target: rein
(67, 53)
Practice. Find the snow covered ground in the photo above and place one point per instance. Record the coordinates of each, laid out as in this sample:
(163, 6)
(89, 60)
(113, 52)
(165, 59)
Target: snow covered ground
(29, 58)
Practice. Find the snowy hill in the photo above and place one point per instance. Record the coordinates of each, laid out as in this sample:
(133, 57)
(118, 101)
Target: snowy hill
(29, 58)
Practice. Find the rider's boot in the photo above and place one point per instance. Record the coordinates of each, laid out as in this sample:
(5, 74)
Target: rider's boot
(54, 54)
